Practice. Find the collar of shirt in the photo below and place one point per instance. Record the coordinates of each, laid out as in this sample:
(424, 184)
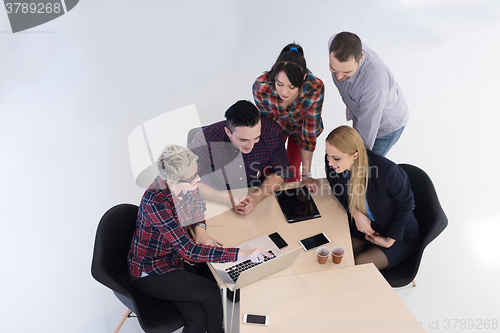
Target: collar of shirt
(304, 91)
(231, 147)
(160, 185)
(360, 67)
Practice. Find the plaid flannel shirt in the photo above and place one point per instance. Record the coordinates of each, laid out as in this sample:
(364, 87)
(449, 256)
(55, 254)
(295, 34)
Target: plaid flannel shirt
(216, 153)
(161, 240)
(303, 119)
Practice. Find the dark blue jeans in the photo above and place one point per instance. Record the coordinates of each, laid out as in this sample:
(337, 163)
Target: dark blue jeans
(384, 144)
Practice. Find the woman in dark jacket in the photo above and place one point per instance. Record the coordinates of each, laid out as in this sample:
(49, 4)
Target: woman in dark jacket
(377, 196)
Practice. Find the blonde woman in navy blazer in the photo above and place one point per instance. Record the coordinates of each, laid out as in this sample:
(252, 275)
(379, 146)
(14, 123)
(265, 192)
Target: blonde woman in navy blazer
(377, 196)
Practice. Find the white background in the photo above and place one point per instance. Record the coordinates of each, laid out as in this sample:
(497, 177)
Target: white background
(72, 90)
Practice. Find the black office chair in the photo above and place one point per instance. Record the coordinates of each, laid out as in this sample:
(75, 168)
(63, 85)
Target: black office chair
(109, 267)
(431, 221)
(192, 133)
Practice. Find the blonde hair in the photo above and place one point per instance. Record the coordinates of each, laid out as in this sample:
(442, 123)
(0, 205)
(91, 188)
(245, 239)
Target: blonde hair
(348, 141)
(174, 161)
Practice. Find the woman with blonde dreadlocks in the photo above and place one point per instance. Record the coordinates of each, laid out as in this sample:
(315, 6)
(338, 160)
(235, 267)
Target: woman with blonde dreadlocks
(377, 196)
(170, 235)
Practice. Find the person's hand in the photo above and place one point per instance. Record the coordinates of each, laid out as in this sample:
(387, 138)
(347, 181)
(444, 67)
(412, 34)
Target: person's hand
(255, 255)
(236, 199)
(246, 205)
(380, 241)
(311, 183)
(203, 238)
(363, 223)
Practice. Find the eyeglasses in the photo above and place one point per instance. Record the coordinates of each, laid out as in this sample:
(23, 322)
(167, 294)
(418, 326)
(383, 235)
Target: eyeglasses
(190, 181)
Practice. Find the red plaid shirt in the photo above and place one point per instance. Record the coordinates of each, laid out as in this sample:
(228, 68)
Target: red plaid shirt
(161, 241)
(303, 119)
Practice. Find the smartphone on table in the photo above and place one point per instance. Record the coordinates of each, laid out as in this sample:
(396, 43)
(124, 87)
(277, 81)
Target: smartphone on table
(278, 240)
(314, 241)
(255, 319)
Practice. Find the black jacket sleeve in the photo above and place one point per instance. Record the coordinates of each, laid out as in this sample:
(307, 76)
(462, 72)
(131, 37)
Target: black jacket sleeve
(398, 185)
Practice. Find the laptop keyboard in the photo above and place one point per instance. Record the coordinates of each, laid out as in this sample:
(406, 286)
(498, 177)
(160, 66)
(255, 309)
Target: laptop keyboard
(235, 271)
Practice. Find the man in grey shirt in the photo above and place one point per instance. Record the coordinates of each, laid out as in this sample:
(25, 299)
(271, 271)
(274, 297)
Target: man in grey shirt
(374, 101)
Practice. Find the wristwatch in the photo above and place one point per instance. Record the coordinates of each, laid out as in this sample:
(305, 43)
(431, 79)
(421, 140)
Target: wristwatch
(306, 176)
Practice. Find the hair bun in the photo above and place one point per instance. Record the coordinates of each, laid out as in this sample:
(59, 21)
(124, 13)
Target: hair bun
(293, 48)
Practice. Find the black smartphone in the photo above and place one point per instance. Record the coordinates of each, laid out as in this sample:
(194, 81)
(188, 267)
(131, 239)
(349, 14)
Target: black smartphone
(278, 240)
(255, 319)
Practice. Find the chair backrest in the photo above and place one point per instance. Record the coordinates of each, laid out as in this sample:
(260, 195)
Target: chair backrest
(110, 267)
(431, 221)
(428, 211)
(112, 243)
(192, 133)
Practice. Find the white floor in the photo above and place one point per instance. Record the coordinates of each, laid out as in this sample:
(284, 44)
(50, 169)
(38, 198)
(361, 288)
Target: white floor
(72, 90)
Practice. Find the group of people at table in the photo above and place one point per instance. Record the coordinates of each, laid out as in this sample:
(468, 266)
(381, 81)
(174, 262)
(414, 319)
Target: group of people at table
(170, 247)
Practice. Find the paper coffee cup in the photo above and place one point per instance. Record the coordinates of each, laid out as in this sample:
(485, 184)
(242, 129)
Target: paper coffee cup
(323, 253)
(337, 254)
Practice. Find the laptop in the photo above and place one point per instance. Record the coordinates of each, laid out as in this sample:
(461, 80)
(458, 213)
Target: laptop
(255, 272)
(297, 204)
